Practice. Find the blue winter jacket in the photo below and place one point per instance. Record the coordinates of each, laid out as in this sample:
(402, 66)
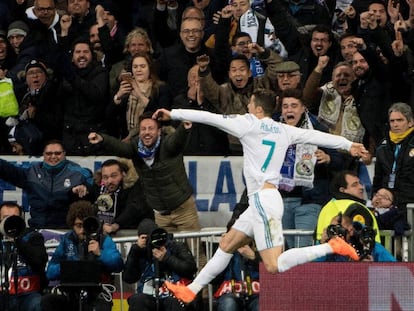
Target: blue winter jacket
(67, 249)
(49, 189)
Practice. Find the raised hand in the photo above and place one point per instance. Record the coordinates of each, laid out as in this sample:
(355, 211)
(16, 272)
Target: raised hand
(65, 23)
(350, 12)
(162, 115)
(94, 138)
(203, 61)
(255, 48)
(323, 61)
(398, 44)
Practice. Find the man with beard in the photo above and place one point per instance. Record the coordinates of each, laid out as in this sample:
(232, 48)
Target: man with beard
(120, 198)
(106, 36)
(160, 165)
(321, 41)
(84, 92)
(371, 93)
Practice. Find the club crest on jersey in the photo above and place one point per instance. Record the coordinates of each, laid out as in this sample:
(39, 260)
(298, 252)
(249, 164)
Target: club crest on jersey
(67, 183)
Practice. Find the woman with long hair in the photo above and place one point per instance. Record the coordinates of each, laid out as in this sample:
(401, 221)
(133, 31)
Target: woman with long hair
(140, 90)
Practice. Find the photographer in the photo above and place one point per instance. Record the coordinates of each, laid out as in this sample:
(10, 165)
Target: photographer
(361, 237)
(29, 263)
(152, 260)
(77, 245)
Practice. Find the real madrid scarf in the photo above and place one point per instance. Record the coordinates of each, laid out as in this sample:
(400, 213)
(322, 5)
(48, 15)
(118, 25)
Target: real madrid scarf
(299, 164)
(341, 118)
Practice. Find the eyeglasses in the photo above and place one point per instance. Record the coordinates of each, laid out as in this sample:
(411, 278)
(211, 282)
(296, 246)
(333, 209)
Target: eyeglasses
(45, 10)
(55, 153)
(78, 225)
(287, 74)
(191, 31)
(243, 43)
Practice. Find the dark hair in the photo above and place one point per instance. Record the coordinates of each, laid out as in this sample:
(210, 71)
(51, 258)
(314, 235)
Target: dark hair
(324, 29)
(148, 115)
(347, 35)
(82, 40)
(79, 209)
(192, 8)
(239, 35)
(241, 57)
(111, 162)
(377, 2)
(150, 62)
(295, 93)
(54, 142)
(339, 180)
(12, 205)
(265, 99)
(156, 82)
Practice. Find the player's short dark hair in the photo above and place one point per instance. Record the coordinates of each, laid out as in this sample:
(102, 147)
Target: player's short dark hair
(265, 99)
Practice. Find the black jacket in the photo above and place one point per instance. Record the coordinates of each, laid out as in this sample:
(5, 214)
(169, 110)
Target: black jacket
(32, 259)
(166, 185)
(178, 263)
(404, 179)
(130, 207)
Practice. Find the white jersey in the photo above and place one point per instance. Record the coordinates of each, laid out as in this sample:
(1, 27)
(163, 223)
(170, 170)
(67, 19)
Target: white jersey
(264, 142)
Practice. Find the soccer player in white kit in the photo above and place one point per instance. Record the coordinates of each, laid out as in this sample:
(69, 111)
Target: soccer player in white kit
(264, 142)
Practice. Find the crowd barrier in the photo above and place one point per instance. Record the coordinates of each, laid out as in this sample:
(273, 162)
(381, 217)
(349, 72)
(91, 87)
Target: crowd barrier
(208, 238)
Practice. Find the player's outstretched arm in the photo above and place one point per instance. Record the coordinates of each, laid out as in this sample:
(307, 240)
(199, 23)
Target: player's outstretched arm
(358, 150)
(162, 115)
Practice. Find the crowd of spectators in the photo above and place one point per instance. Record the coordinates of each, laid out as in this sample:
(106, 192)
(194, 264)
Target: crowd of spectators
(69, 68)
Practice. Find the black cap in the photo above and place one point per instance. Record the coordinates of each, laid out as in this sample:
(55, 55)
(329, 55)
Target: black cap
(146, 226)
(35, 63)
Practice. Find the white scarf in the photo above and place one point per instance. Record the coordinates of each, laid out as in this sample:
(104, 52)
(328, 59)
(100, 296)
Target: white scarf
(330, 113)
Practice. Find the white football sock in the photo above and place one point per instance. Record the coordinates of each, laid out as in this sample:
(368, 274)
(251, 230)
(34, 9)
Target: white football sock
(297, 256)
(214, 267)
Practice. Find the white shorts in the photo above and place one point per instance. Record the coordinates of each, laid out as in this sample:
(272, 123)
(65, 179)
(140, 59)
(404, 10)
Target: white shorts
(262, 220)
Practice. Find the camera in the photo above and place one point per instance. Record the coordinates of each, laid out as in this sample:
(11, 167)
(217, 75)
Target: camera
(363, 239)
(12, 226)
(93, 228)
(336, 230)
(158, 238)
